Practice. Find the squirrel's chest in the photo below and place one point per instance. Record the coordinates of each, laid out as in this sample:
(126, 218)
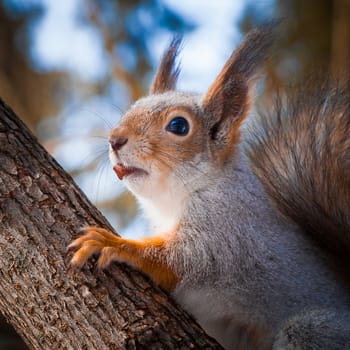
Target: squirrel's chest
(163, 215)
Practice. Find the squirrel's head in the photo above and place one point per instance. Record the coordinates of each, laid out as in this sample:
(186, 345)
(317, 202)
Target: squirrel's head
(171, 143)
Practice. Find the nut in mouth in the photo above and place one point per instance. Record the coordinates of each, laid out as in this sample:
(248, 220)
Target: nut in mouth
(121, 170)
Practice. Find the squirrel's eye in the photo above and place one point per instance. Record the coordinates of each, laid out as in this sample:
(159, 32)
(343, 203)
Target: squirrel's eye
(178, 126)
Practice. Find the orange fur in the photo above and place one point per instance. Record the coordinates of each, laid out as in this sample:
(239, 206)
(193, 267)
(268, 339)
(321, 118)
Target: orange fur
(147, 254)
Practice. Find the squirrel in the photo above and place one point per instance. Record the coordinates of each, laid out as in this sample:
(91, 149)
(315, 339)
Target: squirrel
(251, 212)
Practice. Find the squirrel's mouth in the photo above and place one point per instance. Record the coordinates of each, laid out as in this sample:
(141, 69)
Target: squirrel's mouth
(122, 171)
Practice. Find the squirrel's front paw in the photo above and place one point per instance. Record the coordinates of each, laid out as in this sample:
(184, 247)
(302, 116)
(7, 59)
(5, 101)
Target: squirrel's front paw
(95, 240)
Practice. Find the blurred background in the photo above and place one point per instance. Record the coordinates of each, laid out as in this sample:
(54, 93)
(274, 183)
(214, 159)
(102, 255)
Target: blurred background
(71, 68)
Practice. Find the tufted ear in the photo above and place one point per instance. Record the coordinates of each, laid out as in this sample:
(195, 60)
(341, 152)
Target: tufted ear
(229, 98)
(167, 73)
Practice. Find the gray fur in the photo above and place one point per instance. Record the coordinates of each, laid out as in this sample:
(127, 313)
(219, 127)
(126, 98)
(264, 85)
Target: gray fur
(315, 330)
(252, 278)
(248, 265)
(300, 150)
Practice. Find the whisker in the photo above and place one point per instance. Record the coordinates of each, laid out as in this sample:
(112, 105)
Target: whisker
(99, 137)
(117, 108)
(98, 149)
(101, 169)
(99, 116)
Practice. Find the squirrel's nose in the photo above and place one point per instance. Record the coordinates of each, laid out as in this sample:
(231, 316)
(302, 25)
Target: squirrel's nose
(117, 142)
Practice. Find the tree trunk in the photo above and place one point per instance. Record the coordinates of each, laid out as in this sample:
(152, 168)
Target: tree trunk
(41, 211)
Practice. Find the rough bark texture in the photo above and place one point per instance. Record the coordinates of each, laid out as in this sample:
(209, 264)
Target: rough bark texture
(41, 211)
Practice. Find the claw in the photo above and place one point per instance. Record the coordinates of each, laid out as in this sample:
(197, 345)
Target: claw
(81, 231)
(69, 250)
(93, 241)
(70, 269)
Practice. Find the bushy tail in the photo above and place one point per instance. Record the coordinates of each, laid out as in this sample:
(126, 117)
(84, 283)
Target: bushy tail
(301, 154)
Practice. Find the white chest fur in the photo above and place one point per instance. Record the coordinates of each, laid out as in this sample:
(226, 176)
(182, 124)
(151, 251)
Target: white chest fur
(163, 214)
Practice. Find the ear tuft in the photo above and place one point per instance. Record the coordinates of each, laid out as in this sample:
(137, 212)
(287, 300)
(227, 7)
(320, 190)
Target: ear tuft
(254, 50)
(247, 60)
(228, 100)
(168, 72)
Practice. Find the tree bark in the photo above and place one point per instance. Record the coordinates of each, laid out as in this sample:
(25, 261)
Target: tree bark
(41, 211)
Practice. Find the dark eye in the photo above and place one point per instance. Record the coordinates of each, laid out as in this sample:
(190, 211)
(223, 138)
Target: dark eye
(178, 126)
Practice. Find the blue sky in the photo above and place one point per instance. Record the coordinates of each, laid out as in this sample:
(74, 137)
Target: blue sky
(61, 42)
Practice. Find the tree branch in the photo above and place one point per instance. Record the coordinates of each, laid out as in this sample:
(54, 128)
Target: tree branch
(41, 210)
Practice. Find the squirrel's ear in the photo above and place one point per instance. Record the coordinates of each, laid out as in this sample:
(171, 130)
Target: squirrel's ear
(168, 72)
(228, 100)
